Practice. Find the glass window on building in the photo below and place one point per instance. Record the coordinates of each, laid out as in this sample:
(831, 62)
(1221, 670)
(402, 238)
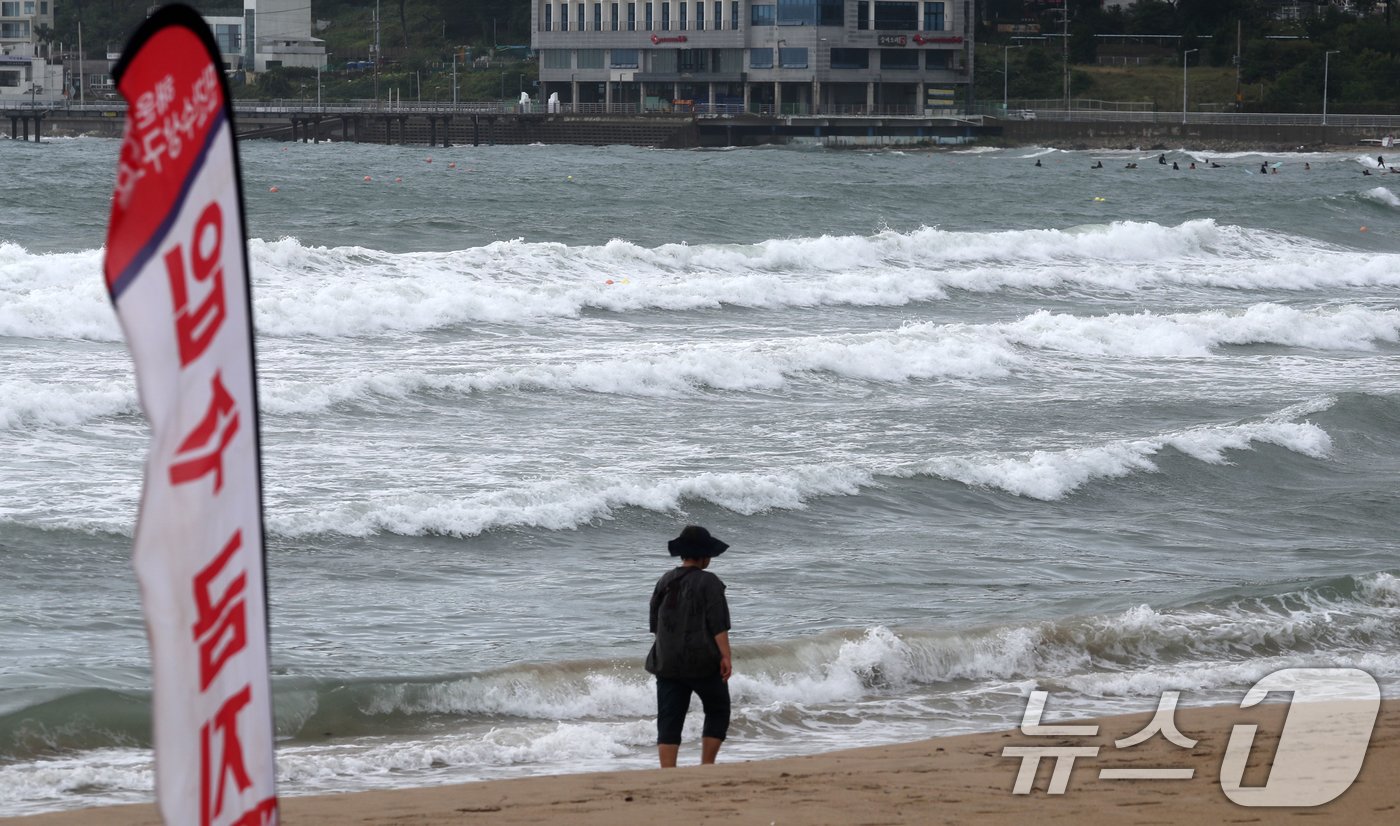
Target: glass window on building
(683, 14)
(549, 17)
(229, 37)
(897, 17)
(615, 22)
(555, 58)
(43, 7)
(850, 59)
(762, 14)
(597, 17)
(648, 20)
(734, 15)
(9, 80)
(666, 16)
(631, 17)
(933, 17)
(761, 58)
(863, 15)
(694, 61)
(938, 60)
(729, 61)
(700, 15)
(719, 15)
(797, 12)
(563, 17)
(28, 6)
(811, 13)
(792, 58)
(662, 61)
(9, 9)
(15, 30)
(899, 60)
(624, 59)
(582, 14)
(590, 58)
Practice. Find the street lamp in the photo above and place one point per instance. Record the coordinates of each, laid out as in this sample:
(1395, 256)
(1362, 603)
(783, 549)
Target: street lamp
(1005, 73)
(1326, 56)
(1184, 55)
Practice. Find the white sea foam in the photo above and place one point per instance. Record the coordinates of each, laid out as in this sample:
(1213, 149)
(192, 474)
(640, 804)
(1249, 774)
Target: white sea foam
(1050, 475)
(59, 295)
(1382, 195)
(912, 352)
(349, 291)
(25, 403)
(569, 502)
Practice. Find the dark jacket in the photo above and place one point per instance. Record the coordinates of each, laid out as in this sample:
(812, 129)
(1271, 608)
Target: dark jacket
(688, 609)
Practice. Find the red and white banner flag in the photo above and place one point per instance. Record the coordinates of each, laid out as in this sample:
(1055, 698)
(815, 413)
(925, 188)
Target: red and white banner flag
(177, 271)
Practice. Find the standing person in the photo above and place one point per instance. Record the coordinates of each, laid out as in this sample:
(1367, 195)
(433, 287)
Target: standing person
(690, 618)
(1380, 160)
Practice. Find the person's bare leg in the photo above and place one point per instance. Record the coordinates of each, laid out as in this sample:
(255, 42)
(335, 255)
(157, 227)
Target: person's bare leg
(709, 749)
(667, 752)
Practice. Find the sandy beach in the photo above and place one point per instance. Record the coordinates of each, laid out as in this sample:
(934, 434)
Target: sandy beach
(963, 779)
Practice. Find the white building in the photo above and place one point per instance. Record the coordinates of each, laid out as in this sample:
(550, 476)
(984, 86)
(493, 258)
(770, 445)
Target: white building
(770, 56)
(277, 33)
(25, 71)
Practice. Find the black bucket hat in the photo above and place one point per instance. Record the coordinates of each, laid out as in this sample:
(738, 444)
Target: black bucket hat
(695, 543)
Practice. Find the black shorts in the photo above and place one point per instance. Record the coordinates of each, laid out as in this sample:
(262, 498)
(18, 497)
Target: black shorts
(673, 701)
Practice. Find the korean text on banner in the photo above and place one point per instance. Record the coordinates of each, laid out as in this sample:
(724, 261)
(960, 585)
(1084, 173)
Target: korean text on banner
(176, 268)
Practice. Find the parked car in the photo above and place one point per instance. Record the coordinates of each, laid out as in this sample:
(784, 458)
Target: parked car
(1025, 114)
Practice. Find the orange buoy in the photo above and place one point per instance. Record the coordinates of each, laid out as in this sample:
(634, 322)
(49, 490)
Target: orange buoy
(1365, 229)
(272, 189)
(609, 281)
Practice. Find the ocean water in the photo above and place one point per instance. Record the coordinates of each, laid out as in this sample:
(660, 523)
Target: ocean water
(970, 426)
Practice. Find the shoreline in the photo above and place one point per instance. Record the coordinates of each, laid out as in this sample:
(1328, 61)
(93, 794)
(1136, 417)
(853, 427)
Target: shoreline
(960, 778)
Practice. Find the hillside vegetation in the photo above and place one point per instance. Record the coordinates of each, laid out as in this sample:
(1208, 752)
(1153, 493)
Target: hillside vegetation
(419, 38)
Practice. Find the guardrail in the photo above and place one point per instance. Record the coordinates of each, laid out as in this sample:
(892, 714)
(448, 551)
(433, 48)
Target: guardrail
(1045, 113)
(1216, 118)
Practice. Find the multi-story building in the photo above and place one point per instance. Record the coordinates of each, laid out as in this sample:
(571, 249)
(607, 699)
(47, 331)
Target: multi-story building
(277, 33)
(767, 56)
(25, 69)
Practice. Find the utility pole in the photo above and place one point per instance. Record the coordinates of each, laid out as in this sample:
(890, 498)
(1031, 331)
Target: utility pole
(1064, 43)
(1239, 60)
(82, 85)
(376, 54)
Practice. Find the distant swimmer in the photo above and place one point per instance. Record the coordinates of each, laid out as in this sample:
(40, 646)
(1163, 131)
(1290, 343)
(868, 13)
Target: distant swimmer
(1174, 166)
(1038, 163)
(1365, 172)
(1193, 164)
(1162, 159)
(1131, 166)
(1098, 165)
(1264, 168)
(1214, 165)
(1307, 167)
